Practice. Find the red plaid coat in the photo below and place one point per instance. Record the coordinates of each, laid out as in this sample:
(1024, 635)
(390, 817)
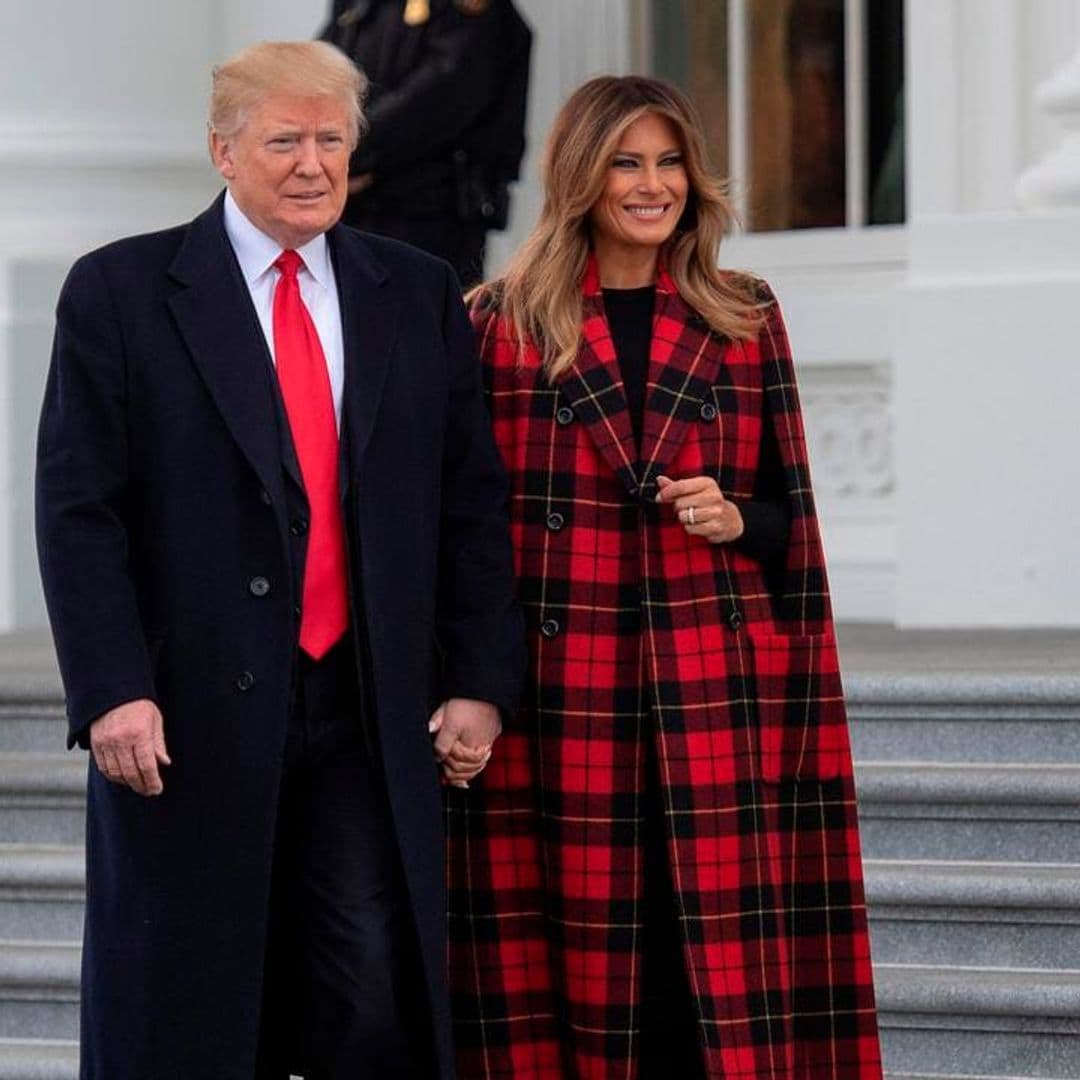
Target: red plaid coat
(638, 631)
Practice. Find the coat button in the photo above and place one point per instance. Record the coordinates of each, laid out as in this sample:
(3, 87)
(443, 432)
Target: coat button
(708, 412)
(298, 527)
(258, 586)
(564, 415)
(264, 496)
(549, 628)
(245, 680)
(735, 619)
(555, 521)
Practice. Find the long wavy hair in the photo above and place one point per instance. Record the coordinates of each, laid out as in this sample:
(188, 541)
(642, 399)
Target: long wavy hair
(540, 292)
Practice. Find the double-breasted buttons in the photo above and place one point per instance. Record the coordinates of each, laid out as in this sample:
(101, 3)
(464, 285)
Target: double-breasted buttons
(245, 681)
(564, 415)
(555, 521)
(735, 619)
(549, 628)
(258, 586)
(298, 527)
(707, 412)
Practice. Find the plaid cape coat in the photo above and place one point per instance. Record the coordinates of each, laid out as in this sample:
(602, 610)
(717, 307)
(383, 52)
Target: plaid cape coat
(638, 631)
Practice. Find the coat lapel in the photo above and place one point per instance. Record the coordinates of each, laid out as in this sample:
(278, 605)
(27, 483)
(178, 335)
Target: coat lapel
(217, 321)
(684, 363)
(369, 314)
(593, 387)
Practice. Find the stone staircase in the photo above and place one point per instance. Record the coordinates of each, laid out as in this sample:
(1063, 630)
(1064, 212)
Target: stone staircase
(968, 769)
(969, 797)
(41, 869)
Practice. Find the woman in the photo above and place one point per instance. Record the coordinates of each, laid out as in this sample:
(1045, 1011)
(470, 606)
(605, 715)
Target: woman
(658, 872)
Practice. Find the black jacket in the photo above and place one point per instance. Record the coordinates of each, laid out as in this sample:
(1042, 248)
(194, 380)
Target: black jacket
(160, 498)
(446, 104)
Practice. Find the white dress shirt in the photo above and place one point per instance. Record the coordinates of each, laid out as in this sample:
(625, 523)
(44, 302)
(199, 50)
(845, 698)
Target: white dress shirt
(256, 252)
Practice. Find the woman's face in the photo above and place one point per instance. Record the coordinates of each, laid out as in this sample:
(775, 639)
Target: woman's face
(646, 188)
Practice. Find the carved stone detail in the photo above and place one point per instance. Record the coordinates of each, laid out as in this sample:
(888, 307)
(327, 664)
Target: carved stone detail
(848, 414)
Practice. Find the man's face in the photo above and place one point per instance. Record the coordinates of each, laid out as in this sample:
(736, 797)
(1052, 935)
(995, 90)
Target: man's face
(288, 166)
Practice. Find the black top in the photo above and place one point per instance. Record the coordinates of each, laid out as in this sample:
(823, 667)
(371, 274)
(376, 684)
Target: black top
(766, 517)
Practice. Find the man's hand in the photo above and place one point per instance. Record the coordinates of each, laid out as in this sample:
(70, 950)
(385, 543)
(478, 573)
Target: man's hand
(128, 744)
(464, 730)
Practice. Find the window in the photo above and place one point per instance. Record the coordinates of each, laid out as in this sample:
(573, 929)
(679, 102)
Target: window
(802, 102)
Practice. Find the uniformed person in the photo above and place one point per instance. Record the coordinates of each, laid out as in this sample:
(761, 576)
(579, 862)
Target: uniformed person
(446, 109)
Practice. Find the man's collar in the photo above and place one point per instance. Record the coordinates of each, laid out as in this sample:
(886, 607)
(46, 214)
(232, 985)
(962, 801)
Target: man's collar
(256, 252)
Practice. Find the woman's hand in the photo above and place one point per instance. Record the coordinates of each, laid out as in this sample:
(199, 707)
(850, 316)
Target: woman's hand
(700, 505)
(464, 731)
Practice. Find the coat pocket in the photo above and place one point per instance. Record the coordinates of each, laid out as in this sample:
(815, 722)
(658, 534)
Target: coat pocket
(802, 724)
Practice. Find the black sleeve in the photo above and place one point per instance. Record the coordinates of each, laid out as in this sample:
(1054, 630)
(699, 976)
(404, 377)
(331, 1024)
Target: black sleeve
(766, 517)
(81, 507)
(451, 85)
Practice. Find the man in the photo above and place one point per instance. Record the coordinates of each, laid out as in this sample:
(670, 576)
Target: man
(254, 614)
(449, 81)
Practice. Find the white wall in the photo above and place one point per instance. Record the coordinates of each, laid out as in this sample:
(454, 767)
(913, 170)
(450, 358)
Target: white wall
(102, 134)
(987, 316)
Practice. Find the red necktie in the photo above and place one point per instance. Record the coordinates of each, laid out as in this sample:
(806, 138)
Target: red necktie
(305, 386)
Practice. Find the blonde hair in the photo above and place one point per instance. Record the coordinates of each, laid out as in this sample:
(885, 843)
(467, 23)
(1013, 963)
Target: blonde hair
(301, 68)
(540, 292)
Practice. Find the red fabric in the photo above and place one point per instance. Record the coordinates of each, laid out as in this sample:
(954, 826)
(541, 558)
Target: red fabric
(309, 403)
(640, 632)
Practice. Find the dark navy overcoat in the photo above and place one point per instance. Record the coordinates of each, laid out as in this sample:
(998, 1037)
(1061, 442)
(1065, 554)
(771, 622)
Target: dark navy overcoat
(161, 497)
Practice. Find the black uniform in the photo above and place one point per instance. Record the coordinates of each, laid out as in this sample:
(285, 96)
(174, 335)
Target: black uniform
(446, 114)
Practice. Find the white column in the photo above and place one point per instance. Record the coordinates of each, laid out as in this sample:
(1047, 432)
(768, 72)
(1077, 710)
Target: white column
(986, 383)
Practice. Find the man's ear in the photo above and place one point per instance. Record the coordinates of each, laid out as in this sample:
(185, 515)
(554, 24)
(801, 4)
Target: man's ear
(221, 154)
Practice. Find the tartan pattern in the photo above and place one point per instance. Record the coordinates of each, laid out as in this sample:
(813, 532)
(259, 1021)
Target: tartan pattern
(638, 631)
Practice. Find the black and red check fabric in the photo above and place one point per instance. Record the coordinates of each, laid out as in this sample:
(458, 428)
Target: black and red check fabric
(640, 632)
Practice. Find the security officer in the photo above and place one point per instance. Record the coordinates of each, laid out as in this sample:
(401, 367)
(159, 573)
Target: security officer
(448, 85)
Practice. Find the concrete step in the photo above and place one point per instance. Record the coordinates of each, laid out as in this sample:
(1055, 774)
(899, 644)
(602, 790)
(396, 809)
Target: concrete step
(965, 1021)
(41, 892)
(42, 797)
(964, 913)
(32, 724)
(38, 1059)
(39, 990)
(965, 718)
(964, 812)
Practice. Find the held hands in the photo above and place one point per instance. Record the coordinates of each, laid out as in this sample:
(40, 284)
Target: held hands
(701, 507)
(464, 730)
(128, 744)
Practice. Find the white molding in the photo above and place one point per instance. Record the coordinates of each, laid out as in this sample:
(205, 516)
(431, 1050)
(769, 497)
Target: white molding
(1055, 180)
(883, 247)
